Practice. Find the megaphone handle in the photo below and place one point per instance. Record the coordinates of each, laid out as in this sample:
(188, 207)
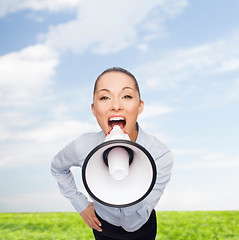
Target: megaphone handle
(106, 153)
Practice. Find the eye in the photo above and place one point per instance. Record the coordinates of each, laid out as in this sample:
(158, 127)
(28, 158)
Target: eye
(127, 97)
(104, 98)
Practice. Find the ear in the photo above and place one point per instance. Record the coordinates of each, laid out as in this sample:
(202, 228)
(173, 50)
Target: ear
(93, 109)
(141, 106)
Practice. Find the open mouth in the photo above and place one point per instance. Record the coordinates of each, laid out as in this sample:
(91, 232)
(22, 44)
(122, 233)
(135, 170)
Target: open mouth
(117, 121)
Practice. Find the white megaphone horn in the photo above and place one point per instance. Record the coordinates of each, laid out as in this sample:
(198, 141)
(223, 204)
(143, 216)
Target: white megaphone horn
(119, 172)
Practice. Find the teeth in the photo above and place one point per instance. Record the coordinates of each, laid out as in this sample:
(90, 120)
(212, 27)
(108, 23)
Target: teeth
(117, 119)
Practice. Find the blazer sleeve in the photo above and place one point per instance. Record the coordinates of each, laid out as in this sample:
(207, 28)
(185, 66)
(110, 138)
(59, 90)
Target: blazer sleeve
(60, 169)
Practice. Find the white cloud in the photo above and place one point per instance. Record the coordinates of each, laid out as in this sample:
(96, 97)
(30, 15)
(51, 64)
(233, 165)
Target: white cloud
(93, 30)
(233, 93)
(191, 65)
(12, 6)
(155, 109)
(25, 80)
(25, 74)
(31, 146)
(57, 131)
(224, 197)
(185, 152)
(208, 161)
(35, 202)
(143, 47)
(222, 93)
(174, 7)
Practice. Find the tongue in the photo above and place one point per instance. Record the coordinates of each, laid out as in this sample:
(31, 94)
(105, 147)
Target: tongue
(119, 123)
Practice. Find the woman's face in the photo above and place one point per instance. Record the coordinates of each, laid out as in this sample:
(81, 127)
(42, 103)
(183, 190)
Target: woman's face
(116, 101)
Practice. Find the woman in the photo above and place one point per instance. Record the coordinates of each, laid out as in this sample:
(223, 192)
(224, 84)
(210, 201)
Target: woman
(116, 100)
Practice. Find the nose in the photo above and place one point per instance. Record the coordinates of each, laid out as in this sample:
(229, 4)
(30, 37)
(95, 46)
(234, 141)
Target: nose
(116, 105)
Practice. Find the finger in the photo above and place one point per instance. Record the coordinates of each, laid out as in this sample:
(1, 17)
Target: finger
(97, 221)
(96, 227)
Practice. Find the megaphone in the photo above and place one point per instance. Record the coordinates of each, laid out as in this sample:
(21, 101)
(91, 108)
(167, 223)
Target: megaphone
(119, 172)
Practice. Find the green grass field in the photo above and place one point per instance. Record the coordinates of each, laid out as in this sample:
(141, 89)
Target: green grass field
(201, 225)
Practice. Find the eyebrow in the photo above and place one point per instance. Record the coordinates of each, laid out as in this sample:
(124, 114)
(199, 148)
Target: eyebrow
(107, 90)
(103, 89)
(127, 88)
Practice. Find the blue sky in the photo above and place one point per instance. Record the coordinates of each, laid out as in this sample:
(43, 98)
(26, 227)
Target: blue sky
(185, 55)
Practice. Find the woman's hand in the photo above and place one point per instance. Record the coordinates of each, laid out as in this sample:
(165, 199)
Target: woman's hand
(90, 218)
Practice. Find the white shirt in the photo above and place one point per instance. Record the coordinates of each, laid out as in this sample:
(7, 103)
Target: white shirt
(130, 218)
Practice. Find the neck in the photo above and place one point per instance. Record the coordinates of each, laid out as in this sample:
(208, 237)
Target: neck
(134, 136)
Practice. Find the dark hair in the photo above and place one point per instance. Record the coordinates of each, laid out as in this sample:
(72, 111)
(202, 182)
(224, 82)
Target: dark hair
(118, 69)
